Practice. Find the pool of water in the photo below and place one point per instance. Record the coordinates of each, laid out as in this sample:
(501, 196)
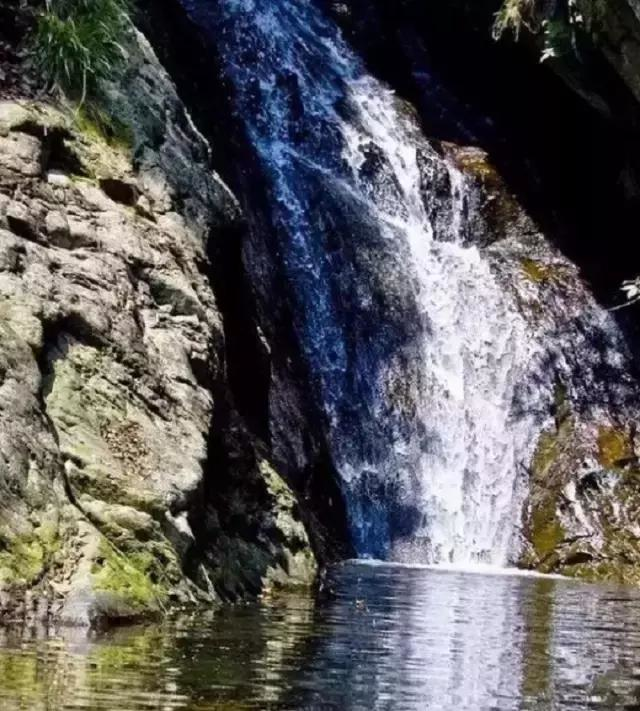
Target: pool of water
(375, 637)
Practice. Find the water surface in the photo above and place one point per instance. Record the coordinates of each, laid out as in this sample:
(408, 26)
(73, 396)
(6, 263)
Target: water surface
(376, 637)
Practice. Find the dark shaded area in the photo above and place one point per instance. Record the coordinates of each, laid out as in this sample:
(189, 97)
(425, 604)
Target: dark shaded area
(16, 19)
(120, 191)
(575, 169)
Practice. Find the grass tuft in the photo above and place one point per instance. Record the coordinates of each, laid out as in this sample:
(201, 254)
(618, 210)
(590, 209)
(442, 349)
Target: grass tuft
(78, 43)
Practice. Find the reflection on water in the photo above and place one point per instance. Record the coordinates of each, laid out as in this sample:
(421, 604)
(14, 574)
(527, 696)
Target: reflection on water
(378, 637)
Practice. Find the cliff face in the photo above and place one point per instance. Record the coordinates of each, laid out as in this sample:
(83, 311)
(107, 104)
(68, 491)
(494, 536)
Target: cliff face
(267, 373)
(621, 41)
(129, 479)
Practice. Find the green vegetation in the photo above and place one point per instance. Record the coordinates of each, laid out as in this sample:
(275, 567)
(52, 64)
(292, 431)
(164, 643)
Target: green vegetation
(96, 124)
(513, 16)
(559, 29)
(131, 579)
(540, 273)
(77, 43)
(24, 559)
(535, 271)
(547, 532)
(615, 447)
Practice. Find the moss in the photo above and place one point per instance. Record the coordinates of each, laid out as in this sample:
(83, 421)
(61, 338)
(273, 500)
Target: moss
(499, 208)
(100, 484)
(554, 443)
(132, 579)
(547, 532)
(97, 125)
(536, 271)
(605, 571)
(25, 558)
(545, 453)
(476, 163)
(615, 448)
(23, 562)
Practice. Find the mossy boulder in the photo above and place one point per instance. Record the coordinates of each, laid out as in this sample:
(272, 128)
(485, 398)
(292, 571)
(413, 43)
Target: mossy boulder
(584, 504)
(133, 584)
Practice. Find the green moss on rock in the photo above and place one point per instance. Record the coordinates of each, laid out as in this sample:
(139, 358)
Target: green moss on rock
(545, 455)
(96, 125)
(24, 559)
(131, 579)
(539, 273)
(615, 447)
(610, 571)
(547, 532)
(22, 562)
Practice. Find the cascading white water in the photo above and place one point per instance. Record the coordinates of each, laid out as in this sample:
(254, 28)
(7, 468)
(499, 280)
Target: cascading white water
(473, 352)
(415, 350)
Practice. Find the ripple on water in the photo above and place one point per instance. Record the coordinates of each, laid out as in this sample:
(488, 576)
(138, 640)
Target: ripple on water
(375, 637)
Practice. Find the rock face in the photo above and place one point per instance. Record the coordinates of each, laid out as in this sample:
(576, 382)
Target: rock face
(266, 369)
(621, 41)
(582, 510)
(160, 442)
(113, 390)
(579, 514)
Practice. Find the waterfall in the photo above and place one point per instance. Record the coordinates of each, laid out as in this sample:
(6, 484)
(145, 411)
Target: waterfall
(418, 354)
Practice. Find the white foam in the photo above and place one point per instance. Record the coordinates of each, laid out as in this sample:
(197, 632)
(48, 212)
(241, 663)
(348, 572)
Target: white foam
(471, 569)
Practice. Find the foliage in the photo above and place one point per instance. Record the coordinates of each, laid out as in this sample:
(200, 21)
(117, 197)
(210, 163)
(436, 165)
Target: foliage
(96, 123)
(77, 43)
(631, 289)
(559, 28)
(131, 578)
(557, 39)
(513, 16)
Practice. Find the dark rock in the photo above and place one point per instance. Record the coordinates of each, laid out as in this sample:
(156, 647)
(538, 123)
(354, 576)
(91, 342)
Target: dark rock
(120, 191)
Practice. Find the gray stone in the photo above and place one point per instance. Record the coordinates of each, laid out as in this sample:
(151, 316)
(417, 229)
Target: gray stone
(105, 314)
